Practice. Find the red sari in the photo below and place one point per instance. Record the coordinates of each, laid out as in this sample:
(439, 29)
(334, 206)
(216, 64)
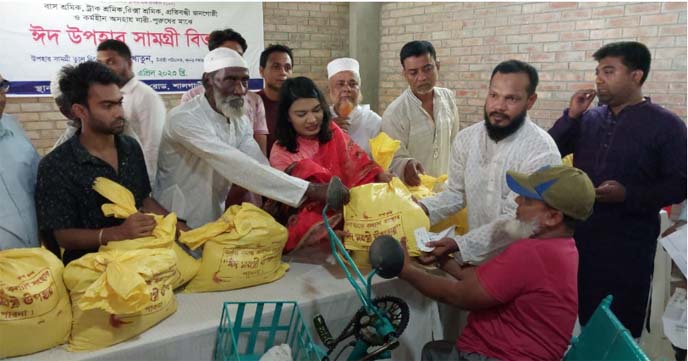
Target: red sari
(340, 157)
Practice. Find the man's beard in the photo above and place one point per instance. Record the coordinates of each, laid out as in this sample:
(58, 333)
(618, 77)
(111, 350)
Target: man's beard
(231, 106)
(516, 229)
(498, 133)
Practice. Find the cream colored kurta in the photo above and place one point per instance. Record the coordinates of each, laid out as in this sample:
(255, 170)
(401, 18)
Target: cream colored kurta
(422, 139)
(477, 180)
(202, 154)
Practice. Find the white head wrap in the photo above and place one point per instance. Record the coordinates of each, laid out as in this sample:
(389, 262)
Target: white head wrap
(342, 64)
(221, 58)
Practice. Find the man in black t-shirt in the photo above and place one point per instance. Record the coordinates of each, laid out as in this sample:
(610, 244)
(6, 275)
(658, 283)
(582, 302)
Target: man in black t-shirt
(69, 210)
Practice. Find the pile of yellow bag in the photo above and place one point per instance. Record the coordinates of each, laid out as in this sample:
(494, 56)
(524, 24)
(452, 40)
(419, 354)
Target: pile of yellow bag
(34, 305)
(123, 205)
(117, 295)
(242, 248)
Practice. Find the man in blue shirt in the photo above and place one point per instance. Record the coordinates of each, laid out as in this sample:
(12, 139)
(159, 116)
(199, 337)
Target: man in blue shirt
(634, 152)
(18, 166)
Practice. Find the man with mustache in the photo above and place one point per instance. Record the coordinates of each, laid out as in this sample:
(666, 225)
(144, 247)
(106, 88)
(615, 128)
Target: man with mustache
(231, 39)
(276, 65)
(69, 210)
(481, 156)
(424, 118)
(523, 302)
(344, 85)
(143, 108)
(635, 153)
(207, 146)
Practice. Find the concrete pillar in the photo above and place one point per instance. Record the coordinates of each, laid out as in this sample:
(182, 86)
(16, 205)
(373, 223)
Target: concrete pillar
(364, 46)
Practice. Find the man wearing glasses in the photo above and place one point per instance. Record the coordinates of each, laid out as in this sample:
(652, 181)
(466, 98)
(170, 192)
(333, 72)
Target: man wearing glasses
(18, 167)
(424, 117)
(344, 86)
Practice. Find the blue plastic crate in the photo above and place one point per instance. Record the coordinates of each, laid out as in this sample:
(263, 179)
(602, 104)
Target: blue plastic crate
(248, 329)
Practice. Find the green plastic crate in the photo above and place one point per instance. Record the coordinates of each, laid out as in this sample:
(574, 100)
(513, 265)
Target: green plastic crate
(604, 338)
(248, 329)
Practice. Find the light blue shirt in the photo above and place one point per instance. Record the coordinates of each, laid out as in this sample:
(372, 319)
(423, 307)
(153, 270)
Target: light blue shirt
(18, 166)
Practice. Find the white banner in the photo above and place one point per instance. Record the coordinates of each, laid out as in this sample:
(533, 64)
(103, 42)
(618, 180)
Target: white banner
(167, 40)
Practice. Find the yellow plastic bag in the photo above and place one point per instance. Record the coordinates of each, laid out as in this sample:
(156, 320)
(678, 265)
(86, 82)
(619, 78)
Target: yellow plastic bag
(382, 148)
(377, 209)
(34, 306)
(242, 248)
(163, 236)
(459, 219)
(117, 295)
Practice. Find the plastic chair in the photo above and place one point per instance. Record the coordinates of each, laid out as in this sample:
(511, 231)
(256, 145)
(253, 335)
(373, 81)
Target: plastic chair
(604, 338)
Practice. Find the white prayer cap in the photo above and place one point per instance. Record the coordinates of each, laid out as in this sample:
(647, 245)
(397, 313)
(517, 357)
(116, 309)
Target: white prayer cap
(223, 58)
(342, 64)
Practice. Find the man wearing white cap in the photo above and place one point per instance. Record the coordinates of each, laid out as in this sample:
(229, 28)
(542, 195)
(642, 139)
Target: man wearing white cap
(345, 94)
(207, 145)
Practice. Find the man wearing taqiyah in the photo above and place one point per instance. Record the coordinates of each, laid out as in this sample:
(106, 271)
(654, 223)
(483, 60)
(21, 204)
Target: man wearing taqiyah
(207, 145)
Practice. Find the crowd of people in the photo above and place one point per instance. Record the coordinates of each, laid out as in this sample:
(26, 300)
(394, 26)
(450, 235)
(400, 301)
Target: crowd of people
(546, 242)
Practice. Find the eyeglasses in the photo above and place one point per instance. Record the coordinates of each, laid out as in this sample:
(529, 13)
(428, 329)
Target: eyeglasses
(4, 85)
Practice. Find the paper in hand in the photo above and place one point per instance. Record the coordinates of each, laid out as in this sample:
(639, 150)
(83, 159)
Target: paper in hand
(424, 236)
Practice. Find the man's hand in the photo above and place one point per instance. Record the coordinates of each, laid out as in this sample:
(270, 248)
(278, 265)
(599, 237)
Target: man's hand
(442, 249)
(610, 191)
(407, 258)
(384, 177)
(412, 173)
(135, 226)
(580, 101)
(343, 122)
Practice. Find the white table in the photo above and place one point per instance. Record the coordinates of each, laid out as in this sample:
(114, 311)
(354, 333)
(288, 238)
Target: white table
(189, 334)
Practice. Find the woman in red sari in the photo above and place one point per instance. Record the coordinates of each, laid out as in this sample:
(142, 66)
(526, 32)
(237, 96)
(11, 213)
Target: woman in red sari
(312, 147)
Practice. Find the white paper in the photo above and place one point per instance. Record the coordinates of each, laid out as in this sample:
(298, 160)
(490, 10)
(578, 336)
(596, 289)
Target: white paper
(675, 245)
(424, 236)
(674, 319)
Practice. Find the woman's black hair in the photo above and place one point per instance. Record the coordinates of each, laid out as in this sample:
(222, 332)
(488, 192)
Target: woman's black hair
(292, 90)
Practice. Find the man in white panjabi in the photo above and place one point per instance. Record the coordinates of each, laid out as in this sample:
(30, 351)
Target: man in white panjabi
(344, 86)
(208, 145)
(144, 110)
(482, 154)
(424, 117)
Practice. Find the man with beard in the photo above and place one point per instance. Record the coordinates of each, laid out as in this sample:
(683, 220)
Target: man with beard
(207, 145)
(69, 210)
(143, 108)
(344, 85)
(481, 156)
(424, 118)
(275, 67)
(523, 302)
(229, 38)
(635, 153)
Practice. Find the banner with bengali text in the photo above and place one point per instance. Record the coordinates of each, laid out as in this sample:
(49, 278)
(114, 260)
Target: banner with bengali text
(168, 40)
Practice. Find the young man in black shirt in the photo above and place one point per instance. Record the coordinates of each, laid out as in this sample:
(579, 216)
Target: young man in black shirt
(69, 210)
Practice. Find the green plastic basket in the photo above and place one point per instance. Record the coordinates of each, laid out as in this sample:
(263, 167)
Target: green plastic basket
(248, 329)
(604, 338)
